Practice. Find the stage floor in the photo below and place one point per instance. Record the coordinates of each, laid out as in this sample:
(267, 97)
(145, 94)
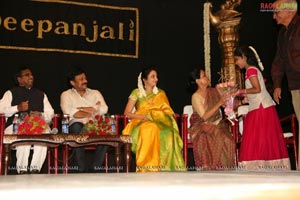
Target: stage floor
(162, 185)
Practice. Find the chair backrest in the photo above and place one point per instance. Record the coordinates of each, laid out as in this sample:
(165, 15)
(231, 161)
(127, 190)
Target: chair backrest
(242, 111)
(2, 127)
(188, 109)
(288, 124)
(121, 122)
(2, 123)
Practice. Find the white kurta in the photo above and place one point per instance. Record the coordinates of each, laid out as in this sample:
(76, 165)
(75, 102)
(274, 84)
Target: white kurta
(23, 151)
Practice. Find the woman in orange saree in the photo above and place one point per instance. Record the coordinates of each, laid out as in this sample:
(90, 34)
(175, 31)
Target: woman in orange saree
(213, 145)
(155, 134)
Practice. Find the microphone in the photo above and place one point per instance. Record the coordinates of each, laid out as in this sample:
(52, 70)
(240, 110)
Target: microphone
(54, 131)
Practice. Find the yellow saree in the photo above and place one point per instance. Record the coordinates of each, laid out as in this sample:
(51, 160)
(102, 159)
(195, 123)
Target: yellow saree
(156, 142)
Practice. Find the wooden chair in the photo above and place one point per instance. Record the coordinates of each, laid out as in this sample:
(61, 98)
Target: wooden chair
(53, 152)
(182, 122)
(288, 124)
(187, 141)
(237, 130)
(2, 127)
(121, 120)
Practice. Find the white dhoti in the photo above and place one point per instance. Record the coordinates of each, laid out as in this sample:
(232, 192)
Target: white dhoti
(23, 152)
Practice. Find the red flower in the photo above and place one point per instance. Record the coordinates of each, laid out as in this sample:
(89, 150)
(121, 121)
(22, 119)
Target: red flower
(98, 125)
(32, 125)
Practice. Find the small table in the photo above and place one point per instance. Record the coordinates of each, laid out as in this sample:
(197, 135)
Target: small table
(72, 140)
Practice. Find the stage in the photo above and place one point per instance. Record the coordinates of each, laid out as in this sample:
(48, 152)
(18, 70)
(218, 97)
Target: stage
(162, 185)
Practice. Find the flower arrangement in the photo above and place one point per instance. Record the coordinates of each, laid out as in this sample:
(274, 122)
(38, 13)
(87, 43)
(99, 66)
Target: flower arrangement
(228, 89)
(33, 124)
(99, 125)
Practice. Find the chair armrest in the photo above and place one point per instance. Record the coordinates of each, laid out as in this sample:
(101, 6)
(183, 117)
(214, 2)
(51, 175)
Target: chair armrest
(291, 119)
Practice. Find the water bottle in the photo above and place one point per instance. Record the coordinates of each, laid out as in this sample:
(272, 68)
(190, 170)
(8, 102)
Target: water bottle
(65, 124)
(16, 123)
(113, 124)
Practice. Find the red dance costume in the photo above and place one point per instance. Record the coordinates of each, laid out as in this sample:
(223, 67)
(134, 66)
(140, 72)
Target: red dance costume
(263, 146)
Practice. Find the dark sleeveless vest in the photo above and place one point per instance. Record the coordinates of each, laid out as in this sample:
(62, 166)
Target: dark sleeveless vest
(33, 95)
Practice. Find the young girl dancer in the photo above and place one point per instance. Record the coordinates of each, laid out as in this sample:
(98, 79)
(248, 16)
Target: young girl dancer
(263, 146)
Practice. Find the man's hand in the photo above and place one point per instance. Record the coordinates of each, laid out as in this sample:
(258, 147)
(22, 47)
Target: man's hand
(87, 109)
(277, 95)
(23, 106)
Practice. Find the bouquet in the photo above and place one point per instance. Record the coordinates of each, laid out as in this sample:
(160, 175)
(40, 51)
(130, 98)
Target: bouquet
(32, 124)
(99, 125)
(228, 89)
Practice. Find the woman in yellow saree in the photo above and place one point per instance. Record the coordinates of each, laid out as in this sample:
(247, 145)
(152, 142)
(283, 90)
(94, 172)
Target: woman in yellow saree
(155, 135)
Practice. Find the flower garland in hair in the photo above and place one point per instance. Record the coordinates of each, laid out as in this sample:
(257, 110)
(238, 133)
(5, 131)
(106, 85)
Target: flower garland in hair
(257, 58)
(141, 87)
(142, 91)
(155, 90)
(206, 29)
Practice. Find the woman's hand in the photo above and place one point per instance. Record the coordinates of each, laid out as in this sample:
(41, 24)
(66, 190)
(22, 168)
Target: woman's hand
(23, 106)
(245, 100)
(144, 118)
(240, 92)
(222, 100)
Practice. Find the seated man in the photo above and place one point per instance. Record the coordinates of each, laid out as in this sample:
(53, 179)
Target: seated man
(82, 103)
(24, 98)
